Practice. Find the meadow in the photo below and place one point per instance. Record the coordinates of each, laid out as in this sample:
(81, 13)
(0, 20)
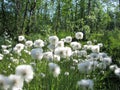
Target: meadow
(63, 62)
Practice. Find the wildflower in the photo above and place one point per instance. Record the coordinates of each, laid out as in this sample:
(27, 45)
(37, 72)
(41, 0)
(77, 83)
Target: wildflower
(86, 84)
(51, 47)
(89, 42)
(68, 39)
(102, 65)
(21, 38)
(79, 35)
(68, 51)
(63, 52)
(100, 44)
(15, 61)
(1, 56)
(37, 53)
(107, 61)
(60, 44)
(54, 69)
(39, 43)
(62, 39)
(83, 67)
(113, 67)
(4, 46)
(56, 57)
(48, 56)
(5, 51)
(82, 53)
(75, 61)
(3, 82)
(15, 88)
(95, 48)
(53, 39)
(94, 56)
(117, 72)
(15, 81)
(29, 43)
(87, 47)
(66, 73)
(93, 65)
(18, 48)
(102, 55)
(95, 41)
(42, 75)
(75, 45)
(60, 51)
(25, 71)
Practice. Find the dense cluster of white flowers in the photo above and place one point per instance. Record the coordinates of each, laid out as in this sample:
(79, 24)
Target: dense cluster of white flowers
(87, 58)
(16, 81)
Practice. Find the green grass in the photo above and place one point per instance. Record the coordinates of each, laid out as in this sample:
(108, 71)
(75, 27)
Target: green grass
(102, 81)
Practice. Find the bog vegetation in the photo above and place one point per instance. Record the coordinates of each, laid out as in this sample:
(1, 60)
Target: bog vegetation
(59, 44)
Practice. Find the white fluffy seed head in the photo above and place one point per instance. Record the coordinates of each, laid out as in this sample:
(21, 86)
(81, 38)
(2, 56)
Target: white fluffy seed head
(68, 39)
(53, 39)
(48, 56)
(89, 42)
(107, 61)
(18, 48)
(117, 72)
(113, 67)
(83, 67)
(5, 51)
(66, 73)
(100, 44)
(59, 44)
(4, 46)
(21, 38)
(102, 55)
(15, 81)
(79, 35)
(86, 83)
(1, 56)
(56, 58)
(29, 43)
(75, 45)
(39, 43)
(54, 69)
(37, 53)
(3, 82)
(63, 52)
(94, 56)
(25, 71)
(95, 48)
(60, 51)
(68, 51)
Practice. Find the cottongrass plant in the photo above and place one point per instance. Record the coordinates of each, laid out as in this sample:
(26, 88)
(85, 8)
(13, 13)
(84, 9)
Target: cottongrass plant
(60, 64)
(86, 84)
(25, 72)
(54, 69)
(1, 56)
(3, 82)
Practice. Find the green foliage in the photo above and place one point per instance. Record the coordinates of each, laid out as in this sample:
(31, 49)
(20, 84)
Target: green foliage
(25, 17)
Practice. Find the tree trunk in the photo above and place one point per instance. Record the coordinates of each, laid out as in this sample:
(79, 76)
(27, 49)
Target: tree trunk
(76, 9)
(89, 7)
(119, 5)
(3, 16)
